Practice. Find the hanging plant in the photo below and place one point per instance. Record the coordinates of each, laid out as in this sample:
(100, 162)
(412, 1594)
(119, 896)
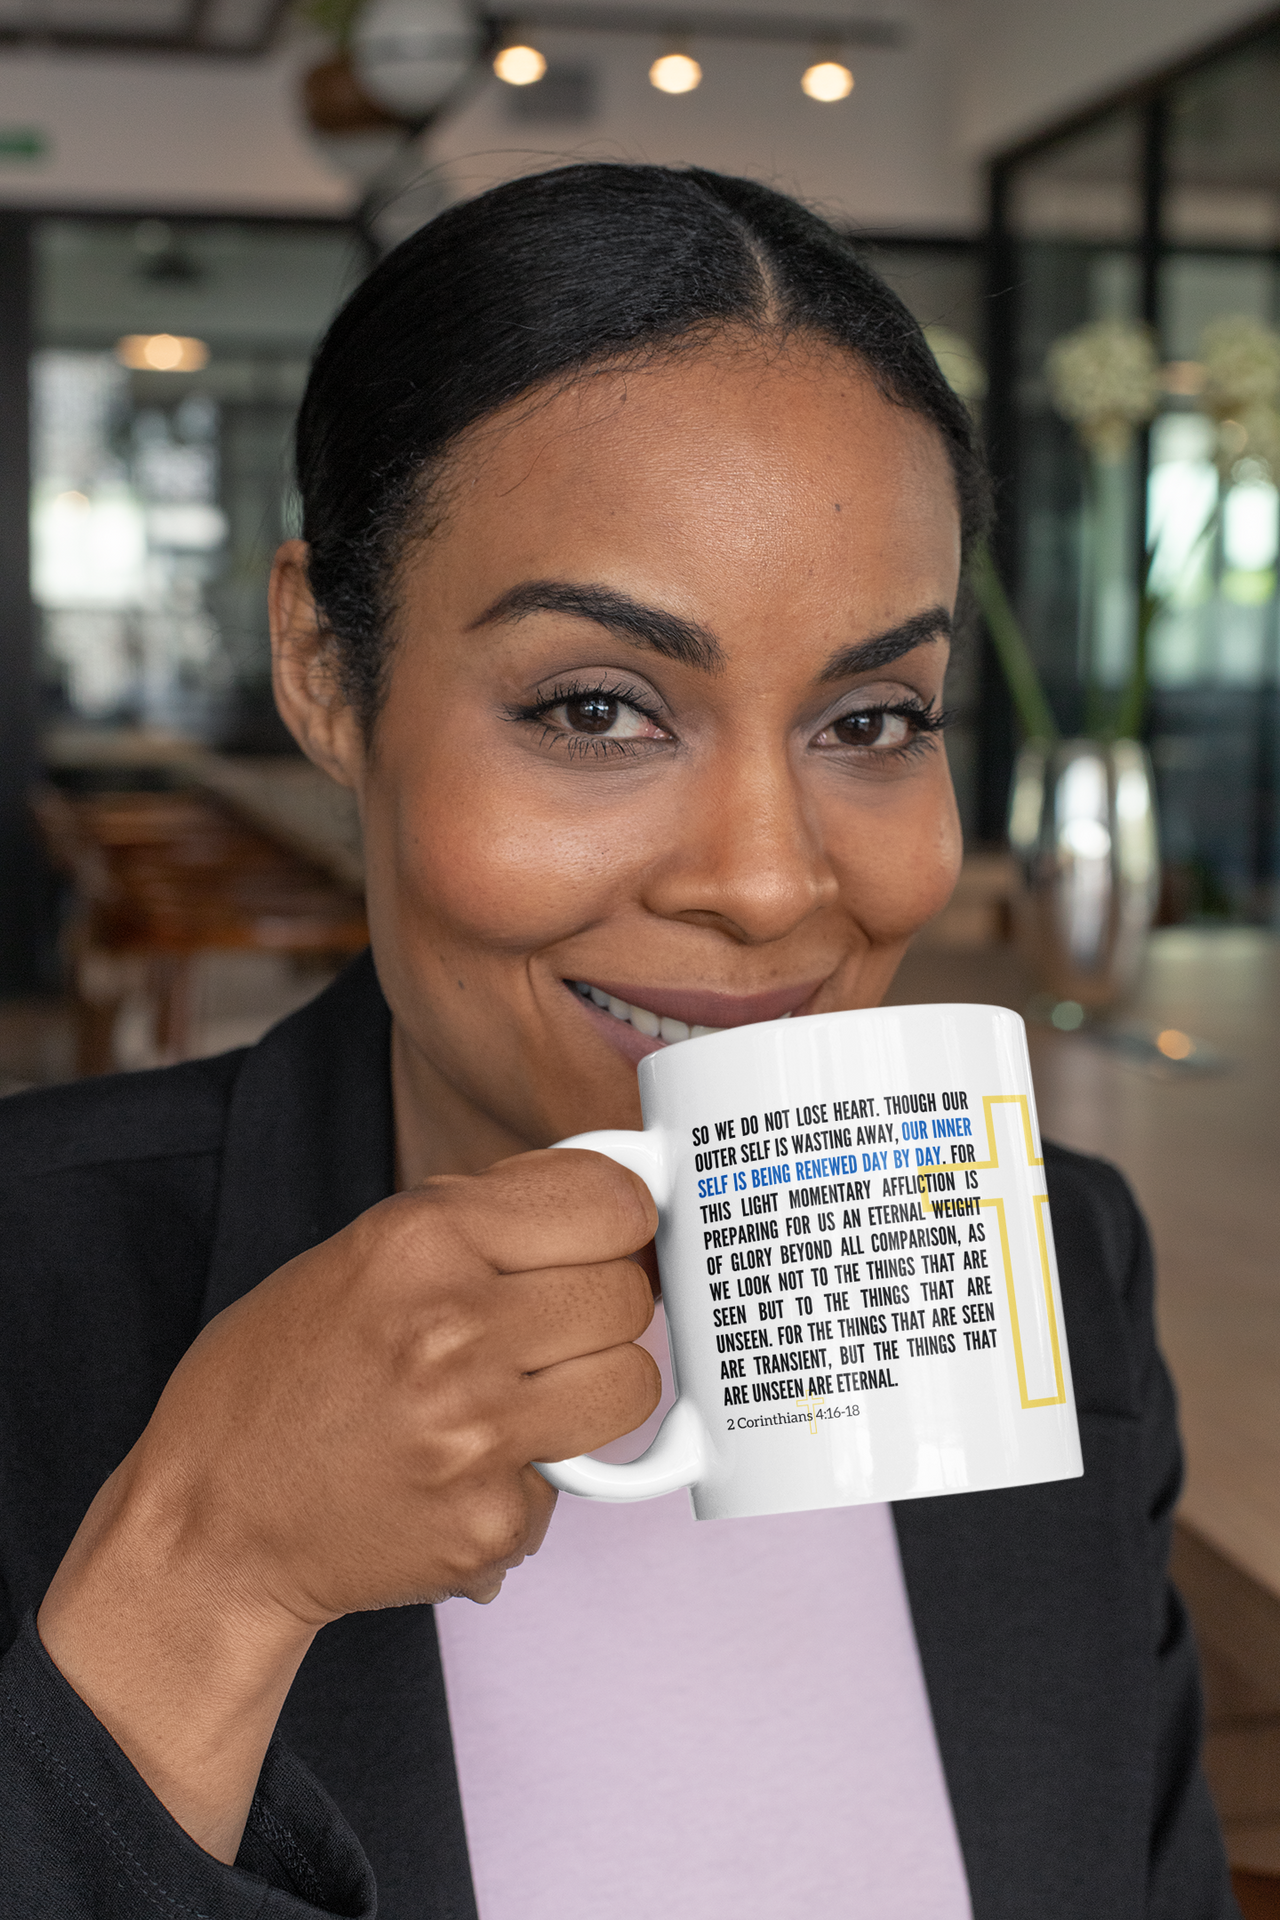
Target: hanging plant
(335, 19)
(332, 97)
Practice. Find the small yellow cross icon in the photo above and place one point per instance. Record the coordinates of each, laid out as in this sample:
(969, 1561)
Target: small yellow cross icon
(1022, 1217)
(811, 1403)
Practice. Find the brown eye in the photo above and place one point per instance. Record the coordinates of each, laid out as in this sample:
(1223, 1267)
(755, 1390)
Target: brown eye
(594, 713)
(858, 729)
(591, 713)
(872, 727)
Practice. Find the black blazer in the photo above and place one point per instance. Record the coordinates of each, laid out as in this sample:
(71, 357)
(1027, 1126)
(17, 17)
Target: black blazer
(1058, 1660)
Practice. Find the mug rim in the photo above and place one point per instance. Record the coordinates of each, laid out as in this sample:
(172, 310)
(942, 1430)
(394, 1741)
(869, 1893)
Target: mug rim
(650, 1062)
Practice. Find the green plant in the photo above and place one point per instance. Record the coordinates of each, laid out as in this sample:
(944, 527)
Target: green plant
(336, 19)
(1104, 378)
(1035, 715)
(1030, 702)
(1126, 721)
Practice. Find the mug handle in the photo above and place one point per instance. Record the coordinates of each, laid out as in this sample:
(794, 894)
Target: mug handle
(677, 1457)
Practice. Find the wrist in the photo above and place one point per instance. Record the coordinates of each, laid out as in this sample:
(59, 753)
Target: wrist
(179, 1649)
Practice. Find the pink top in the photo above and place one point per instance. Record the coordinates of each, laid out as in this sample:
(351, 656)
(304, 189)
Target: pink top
(660, 1719)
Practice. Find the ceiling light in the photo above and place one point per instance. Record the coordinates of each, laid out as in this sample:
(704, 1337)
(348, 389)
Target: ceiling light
(827, 80)
(162, 353)
(675, 73)
(519, 66)
(1175, 1045)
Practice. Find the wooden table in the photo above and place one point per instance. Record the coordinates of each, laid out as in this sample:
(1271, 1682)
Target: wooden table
(283, 794)
(163, 878)
(1200, 1152)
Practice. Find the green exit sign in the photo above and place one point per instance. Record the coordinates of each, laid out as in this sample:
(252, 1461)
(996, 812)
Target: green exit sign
(23, 144)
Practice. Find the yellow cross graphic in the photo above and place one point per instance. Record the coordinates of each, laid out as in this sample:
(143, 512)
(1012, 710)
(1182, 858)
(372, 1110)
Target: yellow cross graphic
(809, 1403)
(1027, 1226)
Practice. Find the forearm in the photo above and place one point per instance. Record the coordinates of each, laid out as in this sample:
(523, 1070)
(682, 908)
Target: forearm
(185, 1668)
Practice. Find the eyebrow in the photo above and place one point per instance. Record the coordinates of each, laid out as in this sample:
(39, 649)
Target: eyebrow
(883, 648)
(687, 642)
(652, 627)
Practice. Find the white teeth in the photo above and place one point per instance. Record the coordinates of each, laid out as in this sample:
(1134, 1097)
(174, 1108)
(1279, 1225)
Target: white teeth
(651, 1025)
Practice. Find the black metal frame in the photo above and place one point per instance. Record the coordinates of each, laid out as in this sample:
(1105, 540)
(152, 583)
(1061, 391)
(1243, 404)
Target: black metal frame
(23, 887)
(193, 38)
(682, 22)
(1138, 92)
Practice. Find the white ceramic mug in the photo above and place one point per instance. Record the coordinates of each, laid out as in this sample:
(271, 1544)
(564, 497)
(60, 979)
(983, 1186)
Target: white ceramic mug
(857, 1265)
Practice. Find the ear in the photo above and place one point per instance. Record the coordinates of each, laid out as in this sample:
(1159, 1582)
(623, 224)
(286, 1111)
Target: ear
(304, 674)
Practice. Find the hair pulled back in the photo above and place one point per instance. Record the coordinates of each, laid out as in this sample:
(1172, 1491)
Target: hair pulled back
(532, 282)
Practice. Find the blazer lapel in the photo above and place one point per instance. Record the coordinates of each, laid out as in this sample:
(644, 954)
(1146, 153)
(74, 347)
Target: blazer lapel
(1025, 1603)
(309, 1145)
(309, 1141)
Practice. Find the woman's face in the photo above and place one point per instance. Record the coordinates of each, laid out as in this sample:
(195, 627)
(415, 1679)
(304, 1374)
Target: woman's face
(656, 736)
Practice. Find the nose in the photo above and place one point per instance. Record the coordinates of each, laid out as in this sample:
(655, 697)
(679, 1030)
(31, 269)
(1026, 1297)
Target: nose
(748, 857)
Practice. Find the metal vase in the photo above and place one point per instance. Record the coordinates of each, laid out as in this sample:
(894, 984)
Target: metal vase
(1082, 823)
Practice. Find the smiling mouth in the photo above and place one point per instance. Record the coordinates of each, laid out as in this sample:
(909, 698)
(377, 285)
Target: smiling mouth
(653, 1026)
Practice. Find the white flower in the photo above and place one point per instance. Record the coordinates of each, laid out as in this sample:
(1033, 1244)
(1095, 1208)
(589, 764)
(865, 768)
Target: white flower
(1241, 361)
(1104, 378)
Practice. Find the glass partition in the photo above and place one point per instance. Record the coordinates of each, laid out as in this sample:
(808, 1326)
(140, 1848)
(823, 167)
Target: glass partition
(941, 281)
(170, 357)
(1077, 233)
(1162, 214)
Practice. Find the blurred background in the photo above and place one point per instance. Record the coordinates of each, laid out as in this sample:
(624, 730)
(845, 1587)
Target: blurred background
(1082, 207)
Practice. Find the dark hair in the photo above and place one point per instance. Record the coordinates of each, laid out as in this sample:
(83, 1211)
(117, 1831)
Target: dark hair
(533, 282)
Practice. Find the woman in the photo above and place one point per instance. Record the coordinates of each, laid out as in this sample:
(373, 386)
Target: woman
(634, 512)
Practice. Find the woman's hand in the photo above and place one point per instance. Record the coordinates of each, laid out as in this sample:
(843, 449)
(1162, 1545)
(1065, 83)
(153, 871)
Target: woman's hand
(354, 1433)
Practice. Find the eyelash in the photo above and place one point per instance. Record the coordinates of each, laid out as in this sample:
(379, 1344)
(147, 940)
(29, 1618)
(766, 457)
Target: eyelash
(928, 723)
(566, 691)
